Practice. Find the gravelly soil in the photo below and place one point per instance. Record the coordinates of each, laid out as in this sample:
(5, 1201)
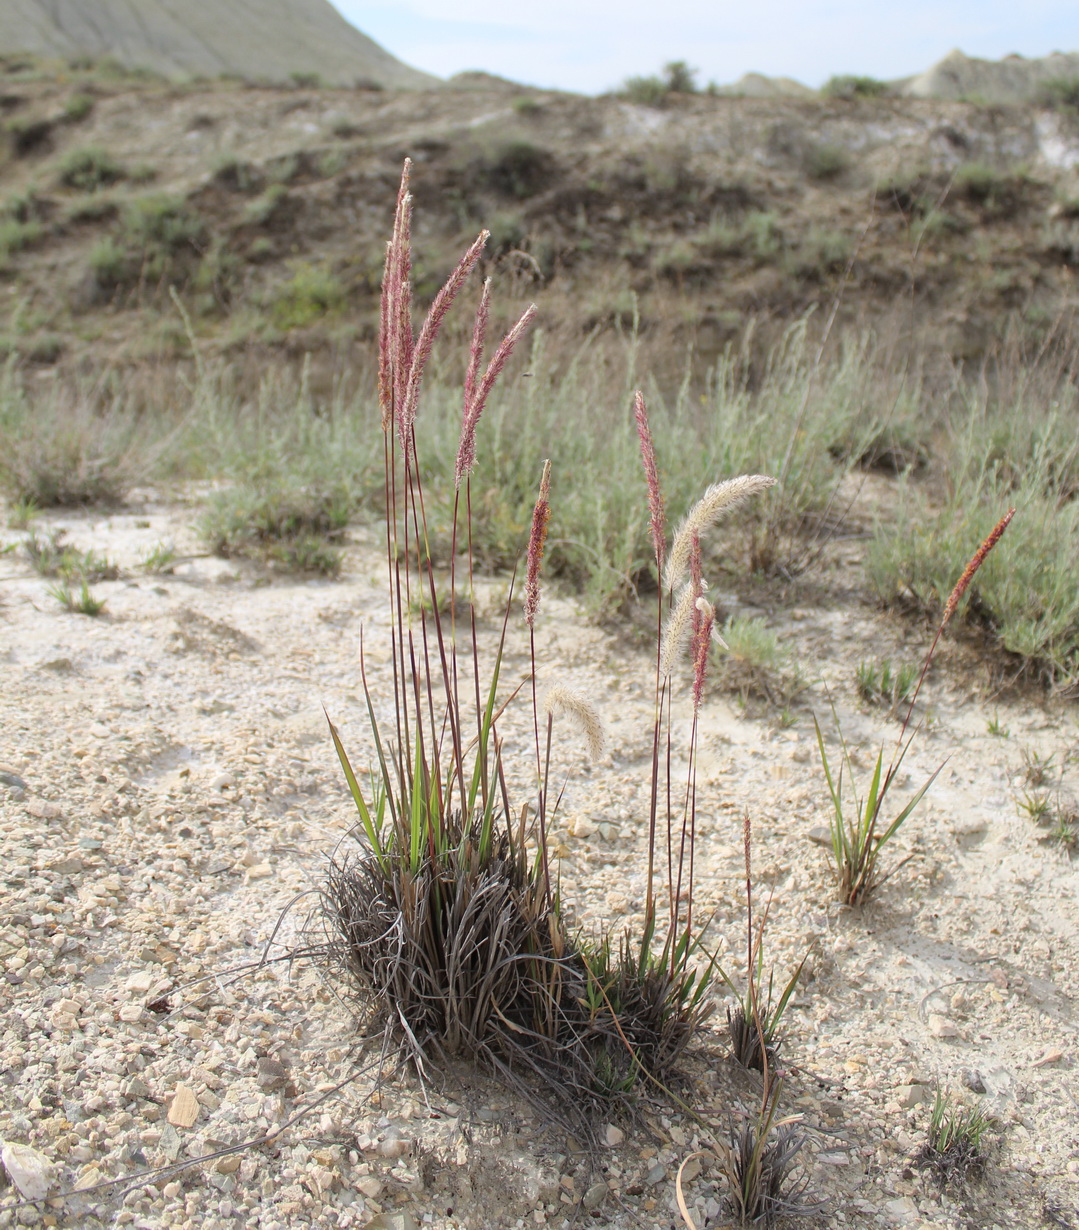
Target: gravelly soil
(169, 787)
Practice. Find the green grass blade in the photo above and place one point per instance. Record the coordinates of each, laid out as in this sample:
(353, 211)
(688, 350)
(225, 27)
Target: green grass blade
(369, 828)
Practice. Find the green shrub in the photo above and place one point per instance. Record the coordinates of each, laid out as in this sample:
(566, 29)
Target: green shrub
(826, 162)
(78, 107)
(312, 292)
(1061, 94)
(678, 78)
(88, 169)
(515, 169)
(854, 87)
(14, 236)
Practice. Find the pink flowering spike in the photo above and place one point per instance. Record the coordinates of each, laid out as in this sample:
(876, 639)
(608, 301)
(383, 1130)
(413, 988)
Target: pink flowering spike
(541, 515)
(975, 563)
(395, 325)
(431, 325)
(466, 450)
(475, 354)
(651, 474)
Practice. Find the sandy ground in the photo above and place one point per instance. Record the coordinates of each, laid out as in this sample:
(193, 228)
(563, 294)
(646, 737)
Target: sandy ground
(168, 786)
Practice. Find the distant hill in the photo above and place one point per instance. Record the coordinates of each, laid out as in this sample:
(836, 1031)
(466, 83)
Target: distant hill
(264, 40)
(1011, 80)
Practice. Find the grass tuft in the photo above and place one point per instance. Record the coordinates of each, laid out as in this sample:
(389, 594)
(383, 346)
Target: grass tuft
(957, 1147)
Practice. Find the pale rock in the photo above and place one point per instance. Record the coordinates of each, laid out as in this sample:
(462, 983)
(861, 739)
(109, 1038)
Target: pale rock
(614, 1136)
(139, 983)
(941, 1027)
(31, 1172)
(184, 1110)
(369, 1186)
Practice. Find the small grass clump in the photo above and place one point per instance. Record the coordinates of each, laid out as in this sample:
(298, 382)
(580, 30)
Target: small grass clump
(759, 1161)
(859, 829)
(288, 524)
(879, 683)
(957, 1147)
(72, 446)
(89, 169)
(50, 556)
(80, 601)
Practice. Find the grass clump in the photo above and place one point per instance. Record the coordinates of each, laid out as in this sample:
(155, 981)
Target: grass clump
(957, 1146)
(72, 446)
(89, 169)
(879, 683)
(79, 602)
(52, 557)
(859, 830)
(445, 914)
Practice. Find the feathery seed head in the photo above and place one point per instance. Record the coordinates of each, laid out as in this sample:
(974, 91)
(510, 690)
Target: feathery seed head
(559, 700)
(718, 499)
(541, 514)
(679, 626)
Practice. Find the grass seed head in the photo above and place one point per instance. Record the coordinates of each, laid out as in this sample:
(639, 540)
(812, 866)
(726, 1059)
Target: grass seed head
(718, 499)
(561, 700)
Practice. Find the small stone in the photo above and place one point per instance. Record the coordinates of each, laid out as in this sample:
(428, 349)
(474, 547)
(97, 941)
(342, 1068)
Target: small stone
(140, 983)
(223, 781)
(581, 826)
(272, 1074)
(656, 1174)
(369, 1186)
(595, 1196)
(30, 1171)
(68, 866)
(691, 1170)
(184, 1110)
(130, 1013)
(136, 1087)
(395, 1147)
(12, 779)
(259, 872)
(912, 1095)
(98, 730)
(1052, 1054)
(972, 1078)
(614, 1136)
(40, 809)
(821, 836)
(228, 1165)
(941, 1027)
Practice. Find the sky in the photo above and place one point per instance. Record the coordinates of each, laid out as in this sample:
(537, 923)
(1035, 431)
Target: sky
(593, 45)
